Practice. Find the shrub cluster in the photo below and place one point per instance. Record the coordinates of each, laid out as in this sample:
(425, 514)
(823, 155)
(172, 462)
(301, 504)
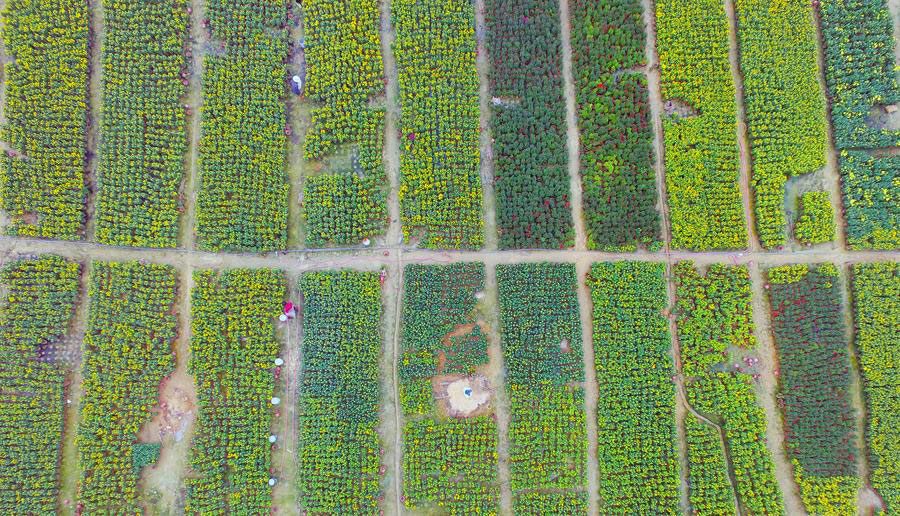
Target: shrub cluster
(819, 421)
(42, 181)
(785, 107)
(816, 222)
(639, 471)
(440, 185)
(143, 138)
(528, 124)
(876, 299)
(871, 189)
(705, 207)
(36, 308)
(233, 348)
(617, 176)
(128, 350)
(243, 190)
(344, 74)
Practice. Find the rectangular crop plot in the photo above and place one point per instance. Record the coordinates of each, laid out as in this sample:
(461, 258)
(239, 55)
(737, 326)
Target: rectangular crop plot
(705, 209)
(440, 185)
(709, 489)
(346, 203)
(636, 452)
(540, 332)
(233, 348)
(449, 438)
(876, 298)
(337, 431)
(143, 137)
(42, 180)
(720, 366)
(528, 124)
(820, 426)
(785, 105)
(242, 201)
(858, 36)
(36, 309)
(617, 176)
(870, 187)
(128, 350)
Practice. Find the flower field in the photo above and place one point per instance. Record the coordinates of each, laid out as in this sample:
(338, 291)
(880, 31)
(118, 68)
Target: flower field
(343, 55)
(876, 291)
(440, 186)
(233, 346)
(785, 108)
(871, 187)
(529, 126)
(701, 149)
(143, 139)
(540, 333)
(715, 330)
(859, 69)
(449, 464)
(816, 222)
(37, 305)
(617, 177)
(813, 353)
(42, 180)
(338, 453)
(709, 489)
(128, 350)
(637, 454)
(243, 189)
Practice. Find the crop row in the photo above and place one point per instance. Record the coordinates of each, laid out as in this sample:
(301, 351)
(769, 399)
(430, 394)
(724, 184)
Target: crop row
(784, 104)
(528, 124)
(345, 204)
(871, 188)
(858, 37)
(815, 224)
(128, 350)
(617, 176)
(540, 334)
(42, 173)
(448, 463)
(338, 446)
(709, 489)
(143, 138)
(819, 422)
(233, 348)
(876, 298)
(37, 306)
(637, 456)
(705, 208)
(440, 185)
(718, 357)
(243, 190)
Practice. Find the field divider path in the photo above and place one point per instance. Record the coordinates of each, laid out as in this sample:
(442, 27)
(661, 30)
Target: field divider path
(743, 137)
(70, 464)
(397, 279)
(199, 39)
(573, 137)
(591, 389)
(389, 418)
(97, 37)
(483, 64)
(284, 494)
(391, 144)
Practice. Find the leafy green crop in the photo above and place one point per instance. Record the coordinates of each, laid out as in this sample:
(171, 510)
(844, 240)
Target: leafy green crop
(816, 222)
(871, 191)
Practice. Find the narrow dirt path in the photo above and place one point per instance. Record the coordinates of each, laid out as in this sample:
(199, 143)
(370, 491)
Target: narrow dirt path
(395, 284)
(70, 467)
(768, 387)
(573, 138)
(591, 388)
(199, 41)
(97, 33)
(743, 137)
(297, 111)
(285, 493)
(391, 152)
(483, 65)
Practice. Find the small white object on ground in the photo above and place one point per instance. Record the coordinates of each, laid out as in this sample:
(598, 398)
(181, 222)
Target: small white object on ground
(271, 481)
(366, 242)
(279, 362)
(297, 79)
(273, 438)
(276, 400)
(282, 317)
